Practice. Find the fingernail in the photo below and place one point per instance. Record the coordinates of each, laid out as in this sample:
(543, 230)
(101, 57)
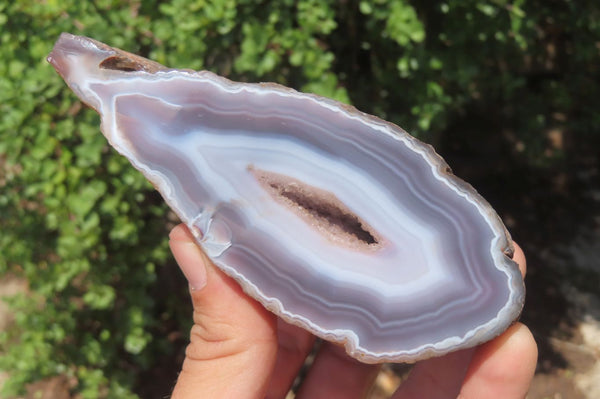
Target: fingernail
(189, 257)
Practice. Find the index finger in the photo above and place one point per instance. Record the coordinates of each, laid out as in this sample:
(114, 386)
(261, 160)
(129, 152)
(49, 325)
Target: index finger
(519, 257)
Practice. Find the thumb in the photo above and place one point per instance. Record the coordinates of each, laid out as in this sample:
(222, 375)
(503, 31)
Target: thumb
(233, 342)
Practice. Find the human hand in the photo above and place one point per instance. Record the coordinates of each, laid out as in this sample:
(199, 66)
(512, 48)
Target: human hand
(240, 350)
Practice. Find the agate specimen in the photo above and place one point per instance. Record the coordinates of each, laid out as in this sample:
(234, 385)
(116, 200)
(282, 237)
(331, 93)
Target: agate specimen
(335, 220)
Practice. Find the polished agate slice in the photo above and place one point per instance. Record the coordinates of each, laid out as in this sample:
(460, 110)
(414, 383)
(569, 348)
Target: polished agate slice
(335, 220)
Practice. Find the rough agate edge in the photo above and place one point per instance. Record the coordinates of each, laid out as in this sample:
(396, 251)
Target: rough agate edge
(335, 220)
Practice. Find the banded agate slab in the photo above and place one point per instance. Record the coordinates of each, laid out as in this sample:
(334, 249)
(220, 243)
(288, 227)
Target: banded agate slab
(335, 220)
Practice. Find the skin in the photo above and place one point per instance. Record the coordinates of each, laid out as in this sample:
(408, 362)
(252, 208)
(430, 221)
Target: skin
(240, 350)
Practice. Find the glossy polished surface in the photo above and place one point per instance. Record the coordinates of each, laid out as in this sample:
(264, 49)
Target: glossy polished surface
(335, 220)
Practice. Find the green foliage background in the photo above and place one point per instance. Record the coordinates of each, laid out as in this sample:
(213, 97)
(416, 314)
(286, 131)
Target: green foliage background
(89, 234)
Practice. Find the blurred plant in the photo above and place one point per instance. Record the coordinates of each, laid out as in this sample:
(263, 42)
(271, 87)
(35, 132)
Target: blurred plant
(89, 234)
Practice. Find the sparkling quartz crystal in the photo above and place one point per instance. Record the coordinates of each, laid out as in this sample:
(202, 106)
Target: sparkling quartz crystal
(335, 220)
